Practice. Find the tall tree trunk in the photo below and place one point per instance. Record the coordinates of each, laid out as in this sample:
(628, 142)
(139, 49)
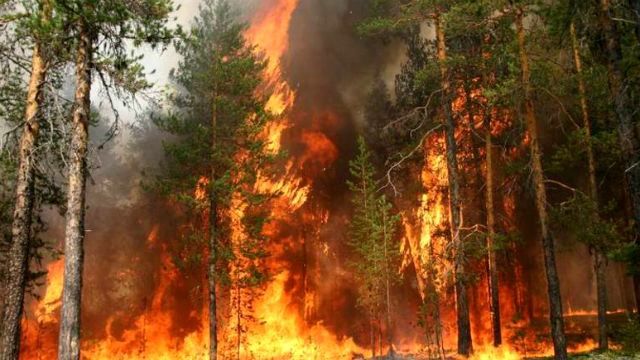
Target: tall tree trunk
(492, 264)
(599, 259)
(494, 289)
(17, 262)
(553, 283)
(69, 340)
(387, 283)
(213, 235)
(462, 307)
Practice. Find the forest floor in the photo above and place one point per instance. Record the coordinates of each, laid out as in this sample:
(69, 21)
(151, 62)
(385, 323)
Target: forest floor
(587, 356)
(610, 355)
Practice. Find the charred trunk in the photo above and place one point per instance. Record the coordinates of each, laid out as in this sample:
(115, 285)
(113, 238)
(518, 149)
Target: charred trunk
(548, 246)
(17, 262)
(462, 306)
(69, 341)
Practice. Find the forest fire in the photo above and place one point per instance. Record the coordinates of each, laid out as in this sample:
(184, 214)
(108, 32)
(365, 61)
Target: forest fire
(279, 330)
(308, 305)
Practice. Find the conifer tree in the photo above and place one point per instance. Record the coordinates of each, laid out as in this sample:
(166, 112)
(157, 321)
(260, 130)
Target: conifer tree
(548, 245)
(22, 210)
(218, 114)
(372, 238)
(101, 30)
(28, 89)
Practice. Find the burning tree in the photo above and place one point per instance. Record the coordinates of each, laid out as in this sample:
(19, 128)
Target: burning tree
(218, 115)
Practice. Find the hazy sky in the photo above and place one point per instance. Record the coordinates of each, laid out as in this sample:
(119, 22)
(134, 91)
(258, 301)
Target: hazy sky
(154, 60)
(161, 62)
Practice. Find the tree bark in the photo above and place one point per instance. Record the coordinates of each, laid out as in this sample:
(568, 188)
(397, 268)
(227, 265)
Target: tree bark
(17, 262)
(488, 78)
(553, 282)
(464, 325)
(387, 284)
(599, 259)
(213, 229)
(494, 288)
(69, 340)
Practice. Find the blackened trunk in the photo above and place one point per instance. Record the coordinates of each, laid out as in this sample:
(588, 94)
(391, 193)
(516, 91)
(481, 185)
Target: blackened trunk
(69, 340)
(548, 246)
(17, 266)
(462, 307)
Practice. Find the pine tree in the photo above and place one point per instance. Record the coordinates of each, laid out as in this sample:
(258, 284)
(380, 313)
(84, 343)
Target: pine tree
(27, 161)
(548, 246)
(22, 211)
(372, 238)
(218, 115)
(101, 31)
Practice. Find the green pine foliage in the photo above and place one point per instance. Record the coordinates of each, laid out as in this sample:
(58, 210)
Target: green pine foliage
(219, 76)
(372, 236)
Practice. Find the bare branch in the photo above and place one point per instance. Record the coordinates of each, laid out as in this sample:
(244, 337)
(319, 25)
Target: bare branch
(403, 159)
(562, 107)
(632, 167)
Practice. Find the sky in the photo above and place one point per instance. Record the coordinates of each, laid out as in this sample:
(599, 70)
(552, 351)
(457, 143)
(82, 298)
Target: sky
(157, 65)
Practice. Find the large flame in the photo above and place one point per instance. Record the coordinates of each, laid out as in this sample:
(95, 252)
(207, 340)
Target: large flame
(280, 332)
